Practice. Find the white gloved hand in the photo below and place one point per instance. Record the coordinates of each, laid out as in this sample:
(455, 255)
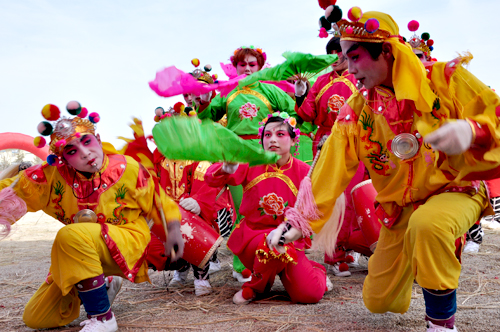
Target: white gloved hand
(190, 204)
(452, 138)
(274, 237)
(300, 88)
(205, 98)
(229, 168)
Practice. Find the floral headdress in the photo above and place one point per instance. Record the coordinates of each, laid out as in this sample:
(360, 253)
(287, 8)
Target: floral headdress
(259, 50)
(286, 119)
(62, 130)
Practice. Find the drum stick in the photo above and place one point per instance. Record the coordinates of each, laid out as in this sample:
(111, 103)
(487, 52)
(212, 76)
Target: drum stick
(164, 222)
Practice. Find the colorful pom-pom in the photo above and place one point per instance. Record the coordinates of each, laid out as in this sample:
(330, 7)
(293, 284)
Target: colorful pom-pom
(192, 113)
(372, 25)
(430, 42)
(51, 159)
(246, 273)
(159, 111)
(207, 68)
(44, 128)
(425, 36)
(215, 77)
(179, 107)
(74, 107)
(413, 25)
(94, 117)
(323, 23)
(333, 14)
(323, 33)
(51, 112)
(325, 3)
(39, 142)
(343, 267)
(247, 293)
(157, 118)
(349, 30)
(195, 62)
(61, 142)
(349, 259)
(431, 48)
(84, 112)
(78, 135)
(354, 14)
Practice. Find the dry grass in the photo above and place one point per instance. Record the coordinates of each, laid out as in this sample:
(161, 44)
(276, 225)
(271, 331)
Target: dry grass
(25, 259)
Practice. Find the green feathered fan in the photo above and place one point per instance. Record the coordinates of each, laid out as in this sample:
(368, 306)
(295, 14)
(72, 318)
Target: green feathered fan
(298, 66)
(185, 138)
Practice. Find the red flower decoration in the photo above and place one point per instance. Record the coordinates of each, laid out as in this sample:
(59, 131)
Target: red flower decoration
(248, 111)
(336, 102)
(272, 204)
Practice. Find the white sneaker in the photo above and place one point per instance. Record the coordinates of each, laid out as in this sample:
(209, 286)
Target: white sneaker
(490, 223)
(355, 256)
(471, 246)
(334, 269)
(214, 267)
(436, 328)
(239, 299)
(94, 325)
(179, 279)
(113, 287)
(202, 287)
(329, 285)
(239, 277)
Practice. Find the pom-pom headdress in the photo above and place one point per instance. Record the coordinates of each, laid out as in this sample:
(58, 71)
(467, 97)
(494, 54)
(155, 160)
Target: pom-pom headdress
(204, 75)
(422, 42)
(62, 130)
(333, 14)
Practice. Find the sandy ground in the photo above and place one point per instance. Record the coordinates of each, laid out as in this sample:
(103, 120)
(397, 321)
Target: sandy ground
(25, 260)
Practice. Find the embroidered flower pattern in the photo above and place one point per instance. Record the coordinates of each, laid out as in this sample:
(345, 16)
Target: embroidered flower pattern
(335, 103)
(248, 111)
(272, 205)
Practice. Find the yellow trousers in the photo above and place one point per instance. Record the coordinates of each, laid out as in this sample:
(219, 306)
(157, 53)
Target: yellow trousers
(78, 253)
(420, 246)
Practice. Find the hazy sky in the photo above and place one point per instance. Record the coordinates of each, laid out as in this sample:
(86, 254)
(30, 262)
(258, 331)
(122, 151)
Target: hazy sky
(104, 53)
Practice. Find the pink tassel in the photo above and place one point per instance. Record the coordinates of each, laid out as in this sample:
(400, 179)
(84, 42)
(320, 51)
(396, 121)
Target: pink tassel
(12, 208)
(297, 220)
(305, 200)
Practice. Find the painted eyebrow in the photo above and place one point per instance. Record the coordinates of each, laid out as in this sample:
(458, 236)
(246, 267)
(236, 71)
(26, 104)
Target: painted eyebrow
(352, 49)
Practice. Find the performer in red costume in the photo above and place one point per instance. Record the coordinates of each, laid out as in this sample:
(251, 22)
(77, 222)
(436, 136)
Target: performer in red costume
(267, 191)
(321, 104)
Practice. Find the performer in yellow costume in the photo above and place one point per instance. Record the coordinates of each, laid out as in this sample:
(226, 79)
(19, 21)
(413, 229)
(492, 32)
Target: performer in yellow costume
(105, 200)
(426, 137)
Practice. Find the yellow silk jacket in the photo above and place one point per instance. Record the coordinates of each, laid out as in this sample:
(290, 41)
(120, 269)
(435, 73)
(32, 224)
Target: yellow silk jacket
(122, 195)
(371, 119)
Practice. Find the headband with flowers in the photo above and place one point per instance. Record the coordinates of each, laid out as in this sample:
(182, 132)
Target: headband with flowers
(259, 50)
(286, 119)
(62, 130)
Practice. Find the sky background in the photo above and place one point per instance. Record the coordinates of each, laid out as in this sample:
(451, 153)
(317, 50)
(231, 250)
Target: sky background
(104, 53)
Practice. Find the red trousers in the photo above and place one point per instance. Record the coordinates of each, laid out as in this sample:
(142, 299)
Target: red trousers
(305, 282)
